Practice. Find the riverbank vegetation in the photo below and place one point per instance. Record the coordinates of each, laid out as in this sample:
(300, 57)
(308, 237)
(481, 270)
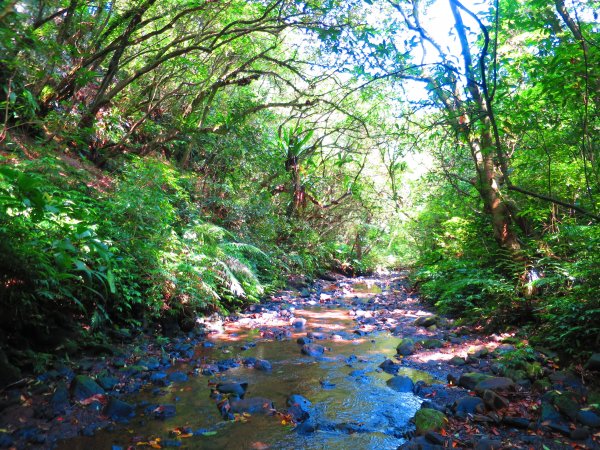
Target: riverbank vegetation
(165, 159)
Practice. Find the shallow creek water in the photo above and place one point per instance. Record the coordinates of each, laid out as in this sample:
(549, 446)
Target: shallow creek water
(344, 386)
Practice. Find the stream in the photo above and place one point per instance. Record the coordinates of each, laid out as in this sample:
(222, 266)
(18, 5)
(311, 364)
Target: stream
(351, 405)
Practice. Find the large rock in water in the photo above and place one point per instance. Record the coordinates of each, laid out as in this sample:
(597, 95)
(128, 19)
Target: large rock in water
(401, 383)
(429, 420)
(313, 350)
(238, 389)
(299, 407)
(118, 410)
(263, 365)
(83, 387)
(406, 347)
(390, 366)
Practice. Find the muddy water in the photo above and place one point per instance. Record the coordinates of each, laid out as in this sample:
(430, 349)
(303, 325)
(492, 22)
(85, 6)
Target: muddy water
(344, 386)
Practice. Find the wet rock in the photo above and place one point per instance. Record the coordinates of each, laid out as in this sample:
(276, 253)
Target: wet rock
(107, 382)
(389, 366)
(299, 407)
(149, 364)
(238, 389)
(59, 401)
(6, 440)
(352, 428)
(159, 379)
(588, 418)
(314, 350)
(429, 420)
(405, 347)
(494, 401)
(83, 387)
(325, 384)
(316, 335)
(567, 379)
(548, 413)
(226, 364)
(435, 438)
(307, 427)
(426, 321)
(516, 422)
(118, 410)
(468, 405)
(31, 434)
(351, 360)
(303, 340)
(559, 426)
(401, 383)
(457, 361)
(178, 377)
(301, 401)
(420, 443)
(358, 373)
(471, 379)
(162, 412)
(565, 402)
(488, 444)
(263, 365)
(594, 362)
(495, 384)
(579, 434)
(299, 323)
(254, 405)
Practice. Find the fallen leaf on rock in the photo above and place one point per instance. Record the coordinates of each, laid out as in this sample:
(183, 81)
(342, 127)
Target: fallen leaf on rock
(94, 398)
(259, 446)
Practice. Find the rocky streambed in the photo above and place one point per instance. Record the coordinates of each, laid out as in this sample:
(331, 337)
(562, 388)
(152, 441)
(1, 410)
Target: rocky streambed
(341, 364)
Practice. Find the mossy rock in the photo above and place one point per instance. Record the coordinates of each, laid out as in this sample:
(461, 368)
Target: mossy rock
(471, 379)
(567, 405)
(432, 343)
(426, 321)
(511, 340)
(427, 419)
(515, 374)
(534, 370)
(405, 347)
(542, 385)
(83, 387)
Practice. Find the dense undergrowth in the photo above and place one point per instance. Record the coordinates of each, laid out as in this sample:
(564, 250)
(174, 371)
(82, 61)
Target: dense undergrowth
(85, 250)
(547, 293)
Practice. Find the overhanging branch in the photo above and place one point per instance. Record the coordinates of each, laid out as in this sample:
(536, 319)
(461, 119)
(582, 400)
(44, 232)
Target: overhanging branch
(555, 201)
